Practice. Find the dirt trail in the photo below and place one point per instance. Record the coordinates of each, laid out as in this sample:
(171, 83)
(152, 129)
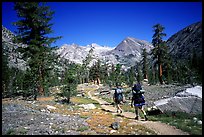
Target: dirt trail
(158, 127)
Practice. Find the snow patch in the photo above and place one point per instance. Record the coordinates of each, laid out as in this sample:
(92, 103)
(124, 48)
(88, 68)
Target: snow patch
(197, 90)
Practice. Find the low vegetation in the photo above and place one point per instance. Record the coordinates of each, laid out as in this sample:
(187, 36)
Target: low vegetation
(181, 120)
(84, 100)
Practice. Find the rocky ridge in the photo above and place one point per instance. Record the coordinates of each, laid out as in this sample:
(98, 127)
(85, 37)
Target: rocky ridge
(186, 41)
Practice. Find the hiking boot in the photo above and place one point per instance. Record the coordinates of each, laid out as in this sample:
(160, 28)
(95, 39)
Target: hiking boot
(146, 118)
(136, 118)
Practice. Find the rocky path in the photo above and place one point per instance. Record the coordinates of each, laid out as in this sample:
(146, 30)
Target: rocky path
(157, 127)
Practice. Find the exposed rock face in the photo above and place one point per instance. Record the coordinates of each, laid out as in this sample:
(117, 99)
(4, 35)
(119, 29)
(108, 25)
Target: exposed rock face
(185, 41)
(9, 48)
(129, 51)
(131, 46)
(75, 53)
(72, 52)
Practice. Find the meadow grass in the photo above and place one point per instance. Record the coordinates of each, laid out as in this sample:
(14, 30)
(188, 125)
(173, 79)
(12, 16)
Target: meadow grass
(181, 120)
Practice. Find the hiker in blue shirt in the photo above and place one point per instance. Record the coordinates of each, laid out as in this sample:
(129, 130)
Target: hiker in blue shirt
(118, 97)
(138, 100)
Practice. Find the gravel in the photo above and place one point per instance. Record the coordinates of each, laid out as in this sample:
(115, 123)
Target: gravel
(21, 120)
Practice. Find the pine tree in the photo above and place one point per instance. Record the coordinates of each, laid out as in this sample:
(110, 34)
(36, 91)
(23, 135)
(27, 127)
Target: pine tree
(104, 73)
(158, 48)
(69, 82)
(94, 73)
(85, 67)
(144, 64)
(118, 77)
(112, 76)
(33, 28)
(130, 77)
(139, 76)
(6, 71)
(167, 63)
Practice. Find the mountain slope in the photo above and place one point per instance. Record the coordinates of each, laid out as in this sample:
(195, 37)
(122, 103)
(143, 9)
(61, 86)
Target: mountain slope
(75, 53)
(185, 41)
(9, 48)
(128, 52)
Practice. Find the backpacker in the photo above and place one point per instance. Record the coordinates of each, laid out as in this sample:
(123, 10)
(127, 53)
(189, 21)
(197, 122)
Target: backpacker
(138, 94)
(118, 94)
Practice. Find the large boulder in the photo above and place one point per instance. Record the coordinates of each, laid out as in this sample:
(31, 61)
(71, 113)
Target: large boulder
(189, 101)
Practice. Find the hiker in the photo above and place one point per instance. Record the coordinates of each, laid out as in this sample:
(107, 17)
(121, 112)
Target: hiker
(118, 97)
(138, 99)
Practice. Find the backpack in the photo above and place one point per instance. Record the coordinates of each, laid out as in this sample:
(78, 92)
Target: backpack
(138, 98)
(118, 94)
(138, 94)
(137, 87)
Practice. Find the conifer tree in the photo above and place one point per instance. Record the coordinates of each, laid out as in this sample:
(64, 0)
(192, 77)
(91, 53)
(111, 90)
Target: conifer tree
(131, 76)
(144, 64)
(158, 48)
(33, 27)
(94, 73)
(139, 76)
(6, 71)
(118, 76)
(69, 83)
(104, 73)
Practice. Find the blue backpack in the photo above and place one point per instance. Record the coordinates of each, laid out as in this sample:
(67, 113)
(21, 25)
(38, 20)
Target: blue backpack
(138, 95)
(137, 87)
(118, 94)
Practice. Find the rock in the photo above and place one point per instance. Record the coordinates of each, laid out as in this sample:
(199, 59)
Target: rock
(115, 125)
(132, 123)
(188, 104)
(112, 131)
(79, 95)
(88, 106)
(50, 107)
(153, 111)
(195, 119)
(145, 80)
(199, 122)
(26, 127)
(42, 110)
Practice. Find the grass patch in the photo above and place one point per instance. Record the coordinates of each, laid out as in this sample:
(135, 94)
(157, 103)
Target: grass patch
(84, 100)
(180, 120)
(109, 100)
(10, 132)
(84, 116)
(127, 108)
(83, 128)
(23, 131)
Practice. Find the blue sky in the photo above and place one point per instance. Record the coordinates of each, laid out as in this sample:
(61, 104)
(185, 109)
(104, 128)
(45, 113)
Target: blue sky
(108, 23)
